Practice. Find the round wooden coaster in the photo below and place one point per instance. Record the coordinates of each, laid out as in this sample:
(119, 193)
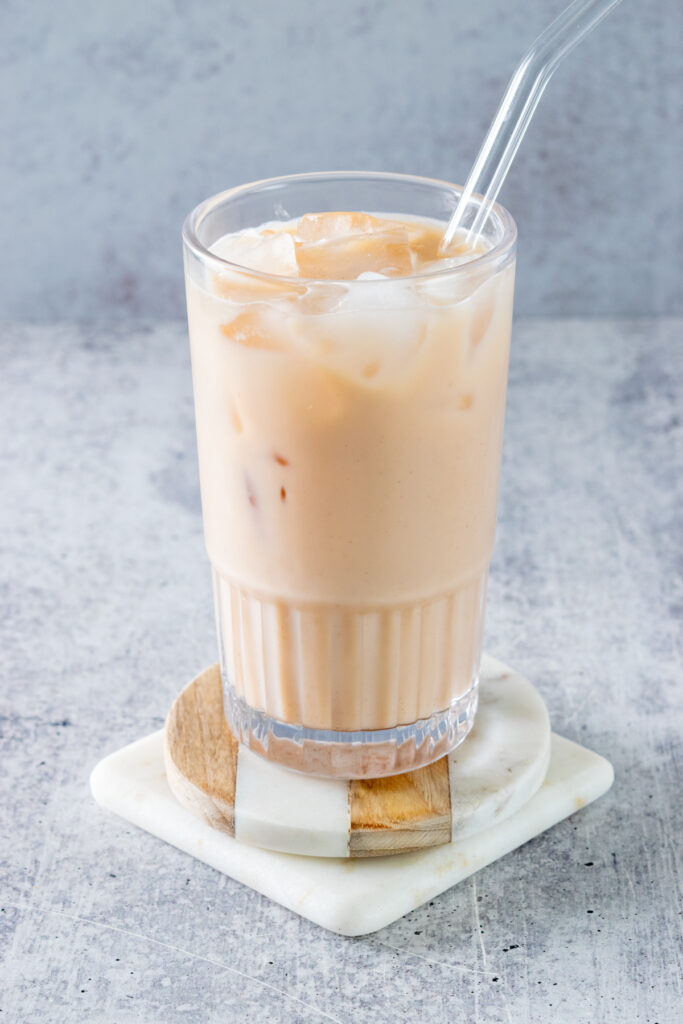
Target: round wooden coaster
(500, 765)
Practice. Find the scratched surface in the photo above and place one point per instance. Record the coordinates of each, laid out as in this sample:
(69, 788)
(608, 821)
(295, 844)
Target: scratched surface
(106, 612)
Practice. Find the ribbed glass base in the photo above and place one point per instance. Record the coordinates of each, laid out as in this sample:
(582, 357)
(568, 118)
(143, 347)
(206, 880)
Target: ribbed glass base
(352, 755)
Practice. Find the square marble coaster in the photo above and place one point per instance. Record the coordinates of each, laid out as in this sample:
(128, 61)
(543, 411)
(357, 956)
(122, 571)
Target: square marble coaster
(350, 897)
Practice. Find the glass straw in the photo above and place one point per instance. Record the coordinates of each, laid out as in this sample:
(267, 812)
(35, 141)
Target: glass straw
(517, 107)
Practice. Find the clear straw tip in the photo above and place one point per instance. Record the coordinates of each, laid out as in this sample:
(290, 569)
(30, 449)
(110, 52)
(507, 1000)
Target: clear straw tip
(516, 109)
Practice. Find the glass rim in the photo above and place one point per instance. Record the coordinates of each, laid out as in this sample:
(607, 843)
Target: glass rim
(193, 220)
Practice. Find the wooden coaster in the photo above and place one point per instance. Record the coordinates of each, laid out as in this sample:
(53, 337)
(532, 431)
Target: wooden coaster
(496, 770)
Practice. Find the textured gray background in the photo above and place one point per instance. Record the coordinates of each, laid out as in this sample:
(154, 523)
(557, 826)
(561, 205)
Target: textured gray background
(105, 612)
(118, 117)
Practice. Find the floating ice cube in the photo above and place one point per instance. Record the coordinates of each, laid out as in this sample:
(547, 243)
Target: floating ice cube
(374, 291)
(322, 227)
(270, 252)
(343, 259)
(321, 297)
(369, 340)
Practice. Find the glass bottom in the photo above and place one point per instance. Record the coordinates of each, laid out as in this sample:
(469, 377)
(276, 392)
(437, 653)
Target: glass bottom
(352, 755)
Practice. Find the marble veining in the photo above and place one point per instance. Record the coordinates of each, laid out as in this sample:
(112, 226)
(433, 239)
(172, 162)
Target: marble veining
(504, 760)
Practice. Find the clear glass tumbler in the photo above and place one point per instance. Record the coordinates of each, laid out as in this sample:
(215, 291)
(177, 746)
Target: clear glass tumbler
(349, 437)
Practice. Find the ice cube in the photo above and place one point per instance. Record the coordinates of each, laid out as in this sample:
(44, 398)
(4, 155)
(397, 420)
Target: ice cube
(343, 259)
(425, 240)
(431, 260)
(321, 297)
(271, 252)
(368, 346)
(373, 291)
(254, 329)
(318, 227)
(447, 289)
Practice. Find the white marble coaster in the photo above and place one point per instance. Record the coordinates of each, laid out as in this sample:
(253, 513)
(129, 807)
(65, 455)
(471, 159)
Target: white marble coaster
(350, 897)
(497, 768)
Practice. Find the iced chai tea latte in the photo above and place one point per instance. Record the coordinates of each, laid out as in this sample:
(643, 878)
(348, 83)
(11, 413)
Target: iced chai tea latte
(349, 382)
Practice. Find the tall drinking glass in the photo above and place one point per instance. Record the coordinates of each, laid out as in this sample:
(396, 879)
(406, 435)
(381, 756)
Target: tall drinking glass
(349, 436)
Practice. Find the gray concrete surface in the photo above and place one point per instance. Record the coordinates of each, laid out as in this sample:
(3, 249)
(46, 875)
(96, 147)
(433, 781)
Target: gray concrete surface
(106, 613)
(117, 118)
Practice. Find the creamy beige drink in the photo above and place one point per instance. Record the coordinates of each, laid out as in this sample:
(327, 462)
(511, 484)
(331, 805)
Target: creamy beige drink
(349, 402)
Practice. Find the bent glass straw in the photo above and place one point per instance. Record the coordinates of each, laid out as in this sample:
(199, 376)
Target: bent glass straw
(517, 107)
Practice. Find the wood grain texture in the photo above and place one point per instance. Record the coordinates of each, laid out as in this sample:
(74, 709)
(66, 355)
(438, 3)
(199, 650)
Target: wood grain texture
(390, 815)
(401, 812)
(200, 752)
